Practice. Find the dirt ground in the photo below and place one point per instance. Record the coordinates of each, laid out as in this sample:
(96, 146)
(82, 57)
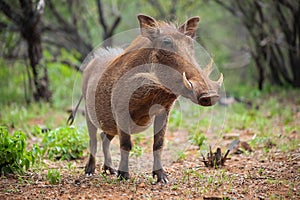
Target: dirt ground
(256, 175)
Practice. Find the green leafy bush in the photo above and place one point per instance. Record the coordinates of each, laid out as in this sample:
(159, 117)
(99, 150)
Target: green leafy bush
(13, 155)
(64, 143)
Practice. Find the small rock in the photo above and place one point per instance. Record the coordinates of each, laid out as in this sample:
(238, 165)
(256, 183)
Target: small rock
(231, 136)
(246, 146)
(142, 185)
(212, 198)
(77, 182)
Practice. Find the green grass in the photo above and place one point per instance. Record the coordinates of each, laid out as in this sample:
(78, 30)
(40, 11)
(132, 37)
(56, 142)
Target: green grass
(181, 155)
(271, 118)
(54, 176)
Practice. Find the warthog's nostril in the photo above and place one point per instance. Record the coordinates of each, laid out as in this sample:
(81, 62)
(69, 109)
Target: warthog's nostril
(205, 101)
(208, 99)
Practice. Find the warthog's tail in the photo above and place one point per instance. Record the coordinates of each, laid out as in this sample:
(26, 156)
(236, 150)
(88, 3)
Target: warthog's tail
(73, 113)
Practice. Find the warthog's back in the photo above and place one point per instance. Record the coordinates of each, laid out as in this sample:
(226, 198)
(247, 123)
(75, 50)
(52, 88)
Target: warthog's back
(91, 75)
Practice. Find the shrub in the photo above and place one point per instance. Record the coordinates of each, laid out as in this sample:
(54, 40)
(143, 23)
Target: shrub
(54, 176)
(64, 143)
(197, 139)
(13, 155)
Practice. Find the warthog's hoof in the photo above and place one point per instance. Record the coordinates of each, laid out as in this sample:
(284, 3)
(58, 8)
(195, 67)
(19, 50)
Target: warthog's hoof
(108, 170)
(89, 170)
(161, 176)
(123, 175)
(90, 166)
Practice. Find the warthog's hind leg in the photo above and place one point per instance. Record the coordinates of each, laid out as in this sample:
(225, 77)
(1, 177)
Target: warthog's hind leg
(107, 167)
(91, 165)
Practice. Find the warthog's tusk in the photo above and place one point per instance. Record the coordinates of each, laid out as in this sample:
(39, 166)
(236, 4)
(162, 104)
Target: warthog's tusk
(186, 82)
(220, 81)
(208, 68)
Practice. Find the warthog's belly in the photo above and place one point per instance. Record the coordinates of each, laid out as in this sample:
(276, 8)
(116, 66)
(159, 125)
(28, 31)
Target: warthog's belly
(124, 122)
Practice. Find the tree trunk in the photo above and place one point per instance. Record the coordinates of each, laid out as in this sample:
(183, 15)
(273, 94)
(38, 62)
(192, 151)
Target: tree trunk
(27, 17)
(261, 74)
(31, 32)
(40, 74)
(295, 63)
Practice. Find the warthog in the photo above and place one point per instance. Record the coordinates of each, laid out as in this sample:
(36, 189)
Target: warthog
(125, 91)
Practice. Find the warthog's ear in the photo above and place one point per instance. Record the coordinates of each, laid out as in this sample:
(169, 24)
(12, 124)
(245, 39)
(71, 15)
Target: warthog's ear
(149, 26)
(190, 26)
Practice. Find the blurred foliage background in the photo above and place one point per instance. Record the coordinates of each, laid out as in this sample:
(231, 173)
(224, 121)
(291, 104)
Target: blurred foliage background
(255, 44)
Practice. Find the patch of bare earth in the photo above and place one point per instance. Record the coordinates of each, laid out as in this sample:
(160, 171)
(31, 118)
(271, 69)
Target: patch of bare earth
(256, 175)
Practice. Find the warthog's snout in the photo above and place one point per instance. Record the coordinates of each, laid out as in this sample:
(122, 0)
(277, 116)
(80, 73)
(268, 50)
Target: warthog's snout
(208, 99)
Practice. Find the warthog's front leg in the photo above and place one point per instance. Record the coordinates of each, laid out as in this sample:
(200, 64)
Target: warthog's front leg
(160, 124)
(125, 148)
(107, 167)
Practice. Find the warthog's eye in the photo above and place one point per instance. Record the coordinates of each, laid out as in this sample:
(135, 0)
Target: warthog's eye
(167, 42)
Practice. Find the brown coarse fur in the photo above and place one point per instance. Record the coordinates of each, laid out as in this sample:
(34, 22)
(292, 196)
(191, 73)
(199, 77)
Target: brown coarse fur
(126, 91)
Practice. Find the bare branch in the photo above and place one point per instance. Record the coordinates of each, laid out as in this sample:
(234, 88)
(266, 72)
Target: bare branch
(283, 24)
(280, 56)
(108, 31)
(101, 16)
(27, 7)
(173, 10)
(288, 4)
(67, 26)
(224, 5)
(11, 14)
(114, 25)
(71, 65)
(281, 65)
(70, 4)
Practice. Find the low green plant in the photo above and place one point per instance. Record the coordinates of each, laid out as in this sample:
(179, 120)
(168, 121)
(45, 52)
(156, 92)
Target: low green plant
(210, 179)
(136, 151)
(151, 179)
(198, 139)
(64, 143)
(54, 176)
(175, 120)
(175, 187)
(181, 155)
(14, 158)
(138, 138)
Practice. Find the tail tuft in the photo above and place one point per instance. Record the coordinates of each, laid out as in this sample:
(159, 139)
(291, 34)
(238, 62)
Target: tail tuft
(73, 113)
